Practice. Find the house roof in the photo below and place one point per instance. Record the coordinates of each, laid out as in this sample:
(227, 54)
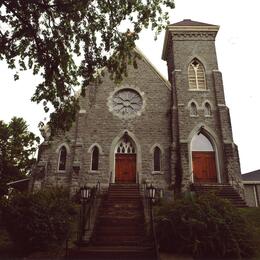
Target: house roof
(19, 181)
(251, 176)
(189, 22)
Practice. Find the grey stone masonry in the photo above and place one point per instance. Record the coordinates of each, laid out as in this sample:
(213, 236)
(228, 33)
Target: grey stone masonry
(148, 112)
(182, 45)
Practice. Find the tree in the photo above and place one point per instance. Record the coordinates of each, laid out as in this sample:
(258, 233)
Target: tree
(68, 42)
(17, 147)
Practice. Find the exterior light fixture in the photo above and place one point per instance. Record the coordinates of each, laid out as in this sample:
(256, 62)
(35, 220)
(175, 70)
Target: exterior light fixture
(85, 192)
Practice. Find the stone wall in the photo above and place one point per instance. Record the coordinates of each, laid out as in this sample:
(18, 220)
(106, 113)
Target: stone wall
(96, 125)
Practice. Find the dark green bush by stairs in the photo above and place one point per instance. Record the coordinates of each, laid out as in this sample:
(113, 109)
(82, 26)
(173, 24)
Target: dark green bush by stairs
(204, 226)
(38, 221)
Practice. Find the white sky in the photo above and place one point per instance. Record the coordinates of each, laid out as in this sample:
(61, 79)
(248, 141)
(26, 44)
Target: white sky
(238, 49)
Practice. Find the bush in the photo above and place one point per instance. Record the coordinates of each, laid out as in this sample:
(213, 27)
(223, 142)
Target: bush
(204, 226)
(38, 221)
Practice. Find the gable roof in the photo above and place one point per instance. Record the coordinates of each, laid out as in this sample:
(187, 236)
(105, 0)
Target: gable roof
(159, 75)
(251, 176)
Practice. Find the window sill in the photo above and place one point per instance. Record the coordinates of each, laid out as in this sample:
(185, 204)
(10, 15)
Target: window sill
(93, 172)
(61, 171)
(199, 90)
(157, 173)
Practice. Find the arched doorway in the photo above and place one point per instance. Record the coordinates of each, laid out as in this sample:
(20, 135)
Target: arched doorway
(203, 160)
(125, 160)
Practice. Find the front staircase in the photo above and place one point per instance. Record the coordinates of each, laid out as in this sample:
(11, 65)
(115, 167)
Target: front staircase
(225, 191)
(119, 231)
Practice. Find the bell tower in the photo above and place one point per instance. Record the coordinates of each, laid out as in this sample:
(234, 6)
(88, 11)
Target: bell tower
(202, 147)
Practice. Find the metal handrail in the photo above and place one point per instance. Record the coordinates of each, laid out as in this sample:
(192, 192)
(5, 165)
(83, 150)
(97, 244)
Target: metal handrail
(149, 218)
(87, 214)
(110, 177)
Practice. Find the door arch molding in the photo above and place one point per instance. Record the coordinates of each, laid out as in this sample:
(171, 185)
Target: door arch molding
(112, 153)
(212, 137)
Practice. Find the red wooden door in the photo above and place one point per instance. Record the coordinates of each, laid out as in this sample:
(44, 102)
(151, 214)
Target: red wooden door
(204, 167)
(126, 168)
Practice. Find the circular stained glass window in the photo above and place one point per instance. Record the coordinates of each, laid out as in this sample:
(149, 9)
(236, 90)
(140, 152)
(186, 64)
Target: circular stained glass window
(126, 103)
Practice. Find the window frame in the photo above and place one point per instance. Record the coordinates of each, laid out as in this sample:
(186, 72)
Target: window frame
(154, 170)
(193, 104)
(95, 148)
(196, 69)
(207, 109)
(62, 148)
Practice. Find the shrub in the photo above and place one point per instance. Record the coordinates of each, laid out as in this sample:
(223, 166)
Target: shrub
(204, 226)
(38, 221)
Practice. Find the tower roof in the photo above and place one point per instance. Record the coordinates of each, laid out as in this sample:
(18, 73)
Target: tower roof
(188, 27)
(189, 22)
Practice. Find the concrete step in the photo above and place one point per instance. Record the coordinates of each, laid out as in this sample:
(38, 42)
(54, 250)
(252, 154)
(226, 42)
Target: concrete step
(116, 240)
(106, 230)
(114, 252)
(119, 231)
(224, 191)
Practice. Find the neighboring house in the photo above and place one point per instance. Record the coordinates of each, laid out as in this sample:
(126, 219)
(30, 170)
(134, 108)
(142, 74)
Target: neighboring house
(20, 185)
(251, 181)
(171, 133)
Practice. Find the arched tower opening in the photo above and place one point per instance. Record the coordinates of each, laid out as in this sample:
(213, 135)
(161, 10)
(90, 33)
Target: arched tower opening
(204, 165)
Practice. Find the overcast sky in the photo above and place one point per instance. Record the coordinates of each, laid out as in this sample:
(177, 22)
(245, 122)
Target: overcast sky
(238, 50)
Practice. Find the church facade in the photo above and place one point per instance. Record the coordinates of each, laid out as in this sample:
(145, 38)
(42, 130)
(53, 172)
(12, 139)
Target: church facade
(171, 133)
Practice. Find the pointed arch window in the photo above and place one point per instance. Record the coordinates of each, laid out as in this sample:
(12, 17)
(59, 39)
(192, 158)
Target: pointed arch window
(196, 75)
(207, 109)
(62, 159)
(95, 159)
(193, 109)
(157, 159)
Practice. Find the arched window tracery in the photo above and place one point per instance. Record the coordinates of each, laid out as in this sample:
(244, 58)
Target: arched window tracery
(196, 75)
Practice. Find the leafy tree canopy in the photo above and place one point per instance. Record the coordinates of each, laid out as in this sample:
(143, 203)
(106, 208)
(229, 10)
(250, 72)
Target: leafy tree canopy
(17, 147)
(68, 41)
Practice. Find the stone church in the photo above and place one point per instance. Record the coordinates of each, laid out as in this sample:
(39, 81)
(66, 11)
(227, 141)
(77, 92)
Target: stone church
(171, 133)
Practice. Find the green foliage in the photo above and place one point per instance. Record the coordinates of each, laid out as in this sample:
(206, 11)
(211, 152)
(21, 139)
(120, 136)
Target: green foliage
(67, 42)
(17, 147)
(253, 216)
(204, 226)
(38, 221)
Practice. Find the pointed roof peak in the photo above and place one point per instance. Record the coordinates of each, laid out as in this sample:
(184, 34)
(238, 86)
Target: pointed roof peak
(189, 22)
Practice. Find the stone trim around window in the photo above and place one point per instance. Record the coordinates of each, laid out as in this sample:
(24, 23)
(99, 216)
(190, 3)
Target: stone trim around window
(128, 113)
(161, 159)
(58, 152)
(196, 76)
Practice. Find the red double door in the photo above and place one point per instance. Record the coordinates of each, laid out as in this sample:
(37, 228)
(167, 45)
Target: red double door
(204, 167)
(125, 168)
